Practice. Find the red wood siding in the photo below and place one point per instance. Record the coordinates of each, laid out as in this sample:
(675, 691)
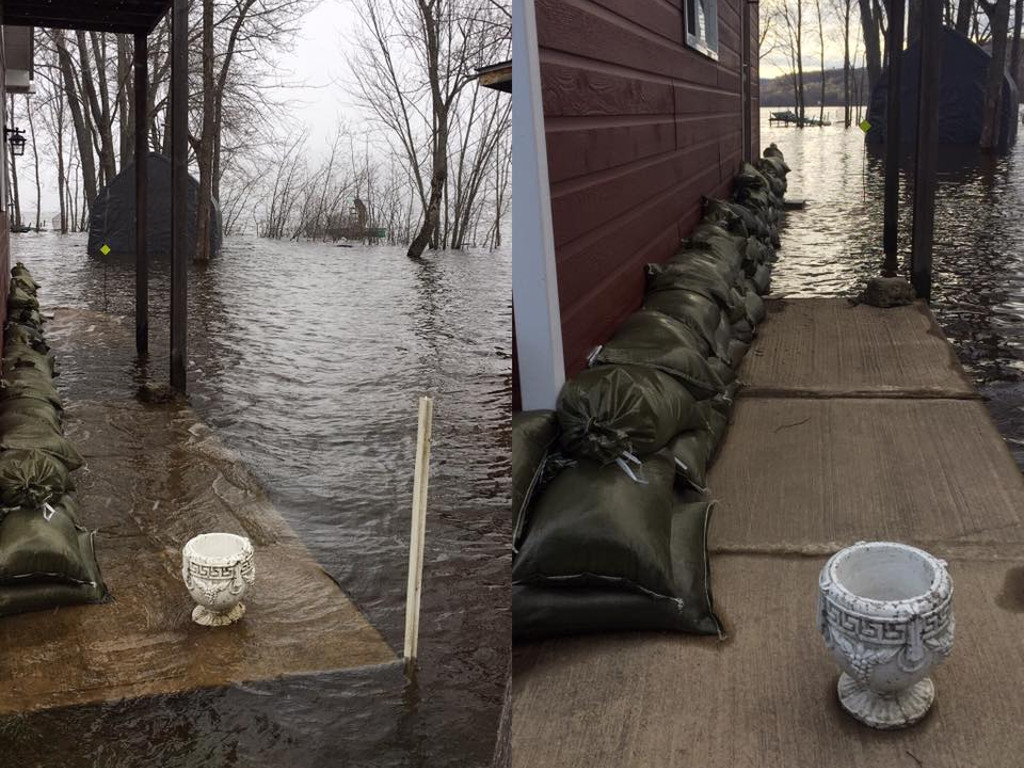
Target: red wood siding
(638, 127)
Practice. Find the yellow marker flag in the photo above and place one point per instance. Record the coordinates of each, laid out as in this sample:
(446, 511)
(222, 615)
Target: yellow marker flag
(105, 249)
(865, 125)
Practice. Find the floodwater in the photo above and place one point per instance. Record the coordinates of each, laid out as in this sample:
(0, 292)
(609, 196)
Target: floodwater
(832, 246)
(308, 359)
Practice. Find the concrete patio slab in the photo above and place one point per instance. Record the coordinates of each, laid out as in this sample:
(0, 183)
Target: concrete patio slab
(155, 477)
(816, 347)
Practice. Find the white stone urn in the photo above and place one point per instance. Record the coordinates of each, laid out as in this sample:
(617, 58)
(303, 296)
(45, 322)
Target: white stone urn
(218, 569)
(886, 613)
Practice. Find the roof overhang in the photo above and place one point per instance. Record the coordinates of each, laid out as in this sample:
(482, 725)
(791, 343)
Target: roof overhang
(121, 16)
(19, 76)
(496, 76)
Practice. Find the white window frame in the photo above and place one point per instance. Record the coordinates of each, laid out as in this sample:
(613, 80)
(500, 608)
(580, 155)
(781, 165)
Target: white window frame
(702, 37)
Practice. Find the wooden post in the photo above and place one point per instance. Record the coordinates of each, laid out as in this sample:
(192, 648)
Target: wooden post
(179, 192)
(419, 526)
(890, 226)
(927, 148)
(141, 196)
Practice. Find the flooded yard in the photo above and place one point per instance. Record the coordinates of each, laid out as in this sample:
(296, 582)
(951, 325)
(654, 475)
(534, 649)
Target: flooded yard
(978, 279)
(308, 360)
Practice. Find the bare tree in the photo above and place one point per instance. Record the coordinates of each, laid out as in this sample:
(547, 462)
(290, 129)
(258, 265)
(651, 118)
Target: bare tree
(999, 15)
(414, 63)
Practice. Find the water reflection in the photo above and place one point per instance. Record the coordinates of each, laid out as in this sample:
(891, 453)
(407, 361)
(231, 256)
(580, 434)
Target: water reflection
(308, 360)
(832, 246)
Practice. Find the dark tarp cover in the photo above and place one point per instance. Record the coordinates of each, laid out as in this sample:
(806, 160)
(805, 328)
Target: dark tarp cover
(962, 77)
(112, 219)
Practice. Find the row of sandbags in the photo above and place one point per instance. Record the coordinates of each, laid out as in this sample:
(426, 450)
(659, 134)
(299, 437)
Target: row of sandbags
(46, 558)
(609, 490)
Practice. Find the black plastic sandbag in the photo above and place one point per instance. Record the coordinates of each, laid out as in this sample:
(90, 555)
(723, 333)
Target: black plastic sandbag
(546, 608)
(657, 340)
(534, 434)
(762, 279)
(755, 306)
(30, 477)
(752, 225)
(693, 309)
(695, 449)
(610, 410)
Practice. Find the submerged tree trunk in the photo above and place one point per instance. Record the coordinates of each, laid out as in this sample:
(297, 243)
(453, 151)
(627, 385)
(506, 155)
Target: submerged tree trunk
(821, 47)
(82, 133)
(204, 152)
(439, 159)
(872, 47)
(35, 158)
(846, 64)
(1018, 11)
(999, 19)
(964, 14)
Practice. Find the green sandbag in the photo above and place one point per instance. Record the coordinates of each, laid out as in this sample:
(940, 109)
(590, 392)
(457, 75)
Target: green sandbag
(694, 449)
(614, 409)
(16, 333)
(15, 411)
(723, 371)
(693, 276)
(42, 437)
(754, 225)
(755, 253)
(743, 330)
(21, 272)
(25, 284)
(24, 598)
(545, 609)
(45, 545)
(763, 279)
(534, 434)
(29, 383)
(721, 214)
(21, 355)
(723, 245)
(594, 524)
(657, 340)
(772, 150)
(698, 312)
(737, 350)
(19, 299)
(700, 253)
(755, 307)
(30, 477)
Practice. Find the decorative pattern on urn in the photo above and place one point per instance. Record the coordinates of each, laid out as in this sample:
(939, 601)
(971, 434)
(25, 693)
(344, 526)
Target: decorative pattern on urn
(218, 569)
(885, 611)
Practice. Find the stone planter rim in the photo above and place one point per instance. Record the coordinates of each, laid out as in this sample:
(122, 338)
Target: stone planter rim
(196, 555)
(939, 590)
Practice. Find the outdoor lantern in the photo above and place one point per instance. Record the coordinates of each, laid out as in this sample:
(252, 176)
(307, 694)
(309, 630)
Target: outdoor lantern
(16, 137)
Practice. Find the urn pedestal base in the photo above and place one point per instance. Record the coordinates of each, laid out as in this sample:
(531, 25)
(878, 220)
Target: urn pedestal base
(208, 618)
(889, 710)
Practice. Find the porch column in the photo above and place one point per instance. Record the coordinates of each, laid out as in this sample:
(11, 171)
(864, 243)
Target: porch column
(179, 191)
(538, 320)
(141, 195)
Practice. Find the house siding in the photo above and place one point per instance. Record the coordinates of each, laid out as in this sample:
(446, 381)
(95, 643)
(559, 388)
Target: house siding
(638, 127)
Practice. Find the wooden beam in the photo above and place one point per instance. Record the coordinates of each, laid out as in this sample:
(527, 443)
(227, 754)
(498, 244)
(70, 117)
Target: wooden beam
(141, 196)
(927, 148)
(179, 193)
(890, 226)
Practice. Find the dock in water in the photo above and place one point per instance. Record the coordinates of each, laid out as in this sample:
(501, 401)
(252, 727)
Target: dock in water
(155, 476)
(856, 424)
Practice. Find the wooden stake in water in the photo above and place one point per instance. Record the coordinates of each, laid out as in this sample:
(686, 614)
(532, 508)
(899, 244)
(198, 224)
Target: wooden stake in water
(419, 526)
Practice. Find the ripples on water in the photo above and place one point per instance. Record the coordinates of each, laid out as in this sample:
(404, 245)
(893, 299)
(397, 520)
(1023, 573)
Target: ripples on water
(832, 246)
(309, 360)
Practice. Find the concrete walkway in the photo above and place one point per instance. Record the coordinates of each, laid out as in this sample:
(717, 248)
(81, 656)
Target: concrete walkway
(155, 476)
(857, 423)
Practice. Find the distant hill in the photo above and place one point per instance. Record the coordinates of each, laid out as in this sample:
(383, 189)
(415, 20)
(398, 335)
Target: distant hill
(778, 91)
